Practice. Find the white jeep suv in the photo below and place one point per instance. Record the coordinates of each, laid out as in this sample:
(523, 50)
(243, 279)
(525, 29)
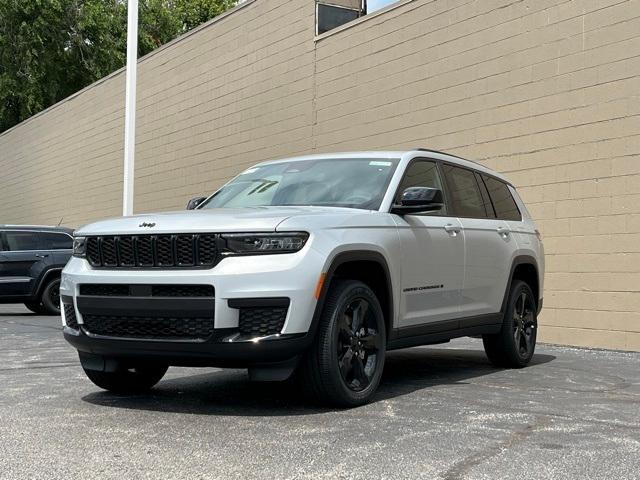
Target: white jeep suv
(314, 265)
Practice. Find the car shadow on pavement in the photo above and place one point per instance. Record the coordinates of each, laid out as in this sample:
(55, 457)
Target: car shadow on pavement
(229, 392)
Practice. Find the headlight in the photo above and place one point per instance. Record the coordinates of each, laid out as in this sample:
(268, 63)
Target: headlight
(257, 243)
(80, 247)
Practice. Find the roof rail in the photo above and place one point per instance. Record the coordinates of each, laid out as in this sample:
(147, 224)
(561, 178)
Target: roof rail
(49, 227)
(448, 154)
(25, 225)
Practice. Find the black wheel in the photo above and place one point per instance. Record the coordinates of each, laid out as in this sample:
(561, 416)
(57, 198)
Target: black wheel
(50, 297)
(35, 307)
(345, 363)
(128, 380)
(513, 347)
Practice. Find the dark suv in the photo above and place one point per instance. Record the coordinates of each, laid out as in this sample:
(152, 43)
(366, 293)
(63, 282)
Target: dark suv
(31, 259)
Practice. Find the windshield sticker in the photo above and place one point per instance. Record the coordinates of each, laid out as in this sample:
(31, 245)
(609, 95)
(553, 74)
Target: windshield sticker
(376, 163)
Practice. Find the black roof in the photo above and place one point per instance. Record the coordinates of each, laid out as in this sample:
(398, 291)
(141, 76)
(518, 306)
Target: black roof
(39, 228)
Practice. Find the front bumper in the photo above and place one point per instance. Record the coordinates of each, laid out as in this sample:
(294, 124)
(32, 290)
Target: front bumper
(212, 353)
(234, 280)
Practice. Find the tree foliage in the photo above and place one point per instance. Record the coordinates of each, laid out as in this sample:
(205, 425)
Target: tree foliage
(50, 49)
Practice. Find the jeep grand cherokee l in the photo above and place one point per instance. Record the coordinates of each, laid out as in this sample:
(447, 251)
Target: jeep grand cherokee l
(313, 265)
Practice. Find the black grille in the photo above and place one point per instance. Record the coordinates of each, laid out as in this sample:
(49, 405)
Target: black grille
(121, 290)
(261, 321)
(70, 316)
(126, 252)
(163, 328)
(145, 251)
(153, 251)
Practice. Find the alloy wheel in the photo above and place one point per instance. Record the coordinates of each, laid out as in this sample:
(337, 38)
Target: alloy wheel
(54, 295)
(524, 324)
(359, 345)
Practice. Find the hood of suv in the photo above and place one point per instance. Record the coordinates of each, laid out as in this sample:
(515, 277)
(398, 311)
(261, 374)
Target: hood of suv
(255, 219)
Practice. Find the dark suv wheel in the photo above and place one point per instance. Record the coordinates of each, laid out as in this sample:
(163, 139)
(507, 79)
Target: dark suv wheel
(513, 347)
(35, 307)
(50, 297)
(49, 301)
(345, 363)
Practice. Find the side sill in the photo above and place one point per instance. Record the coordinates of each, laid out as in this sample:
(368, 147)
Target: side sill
(442, 331)
(440, 337)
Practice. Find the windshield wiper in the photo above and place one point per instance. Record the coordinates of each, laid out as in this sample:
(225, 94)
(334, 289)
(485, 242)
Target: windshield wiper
(263, 187)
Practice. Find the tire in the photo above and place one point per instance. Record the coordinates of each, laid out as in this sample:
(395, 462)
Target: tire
(50, 297)
(514, 345)
(131, 380)
(344, 365)
(35, 307)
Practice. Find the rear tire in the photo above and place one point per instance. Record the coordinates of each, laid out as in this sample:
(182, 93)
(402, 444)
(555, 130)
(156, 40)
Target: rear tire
(50, 297)
(514, 345)
(344, 365)
(128, 380)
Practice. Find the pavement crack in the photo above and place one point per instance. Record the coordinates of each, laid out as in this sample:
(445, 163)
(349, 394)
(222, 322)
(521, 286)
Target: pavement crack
(459, 469)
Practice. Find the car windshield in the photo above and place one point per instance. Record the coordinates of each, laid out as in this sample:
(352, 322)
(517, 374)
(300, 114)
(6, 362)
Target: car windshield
(353, 183)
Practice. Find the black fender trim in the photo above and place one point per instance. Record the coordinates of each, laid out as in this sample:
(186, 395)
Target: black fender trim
(46, 275)
(353, 256)
(521, 260)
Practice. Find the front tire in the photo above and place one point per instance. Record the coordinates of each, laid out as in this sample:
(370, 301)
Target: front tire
(345, 363)
(128, 380)
(514, 345)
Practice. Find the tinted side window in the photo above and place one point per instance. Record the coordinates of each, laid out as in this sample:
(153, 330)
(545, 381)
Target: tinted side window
(56, 241)
(503, 202)
(421, 173)
(16, 241)
(465, 193)
(488, 206)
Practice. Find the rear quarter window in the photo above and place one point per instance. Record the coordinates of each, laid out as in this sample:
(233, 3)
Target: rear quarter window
(503, 202)
(56, 241)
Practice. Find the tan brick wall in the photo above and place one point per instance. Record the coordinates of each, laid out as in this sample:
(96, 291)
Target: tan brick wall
(233, 93)
(545, 91)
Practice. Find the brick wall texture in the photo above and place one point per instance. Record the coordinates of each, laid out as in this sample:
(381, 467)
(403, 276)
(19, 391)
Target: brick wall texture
(544, 91)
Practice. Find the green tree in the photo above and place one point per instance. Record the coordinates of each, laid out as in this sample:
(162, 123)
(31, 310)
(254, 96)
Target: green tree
(50, 49)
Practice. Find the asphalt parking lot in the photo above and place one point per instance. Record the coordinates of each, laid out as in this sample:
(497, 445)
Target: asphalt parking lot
(442, 412)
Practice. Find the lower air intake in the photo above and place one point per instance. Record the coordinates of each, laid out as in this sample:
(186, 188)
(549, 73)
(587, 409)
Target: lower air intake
(151, 328)
(70, 316)
(262, 321)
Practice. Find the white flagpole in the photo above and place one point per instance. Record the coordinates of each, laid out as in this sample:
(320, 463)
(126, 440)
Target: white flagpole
(130, 108)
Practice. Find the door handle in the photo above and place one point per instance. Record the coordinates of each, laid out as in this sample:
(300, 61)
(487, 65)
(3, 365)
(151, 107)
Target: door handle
(44, 255)
(453, 229)
(503, 231)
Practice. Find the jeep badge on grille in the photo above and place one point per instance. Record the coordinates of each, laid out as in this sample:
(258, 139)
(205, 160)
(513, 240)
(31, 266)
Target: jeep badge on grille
(145, 224)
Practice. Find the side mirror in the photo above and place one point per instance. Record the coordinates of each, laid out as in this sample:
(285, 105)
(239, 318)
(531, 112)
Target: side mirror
(194, 202)
(419, 199)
